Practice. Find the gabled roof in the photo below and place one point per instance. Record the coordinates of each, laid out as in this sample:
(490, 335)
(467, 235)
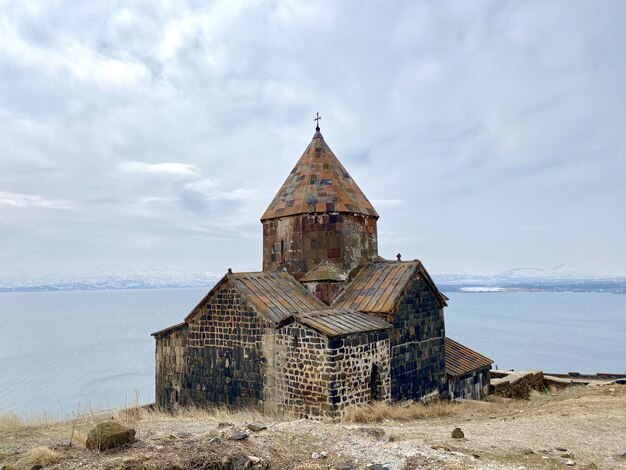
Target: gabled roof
(462, 360)
(318, 183)
(379, 286)
(275, 295)
(338, 322)
(325, 271)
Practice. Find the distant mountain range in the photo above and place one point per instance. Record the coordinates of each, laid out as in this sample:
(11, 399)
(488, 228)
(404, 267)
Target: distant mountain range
(561, 278)
(109, 278)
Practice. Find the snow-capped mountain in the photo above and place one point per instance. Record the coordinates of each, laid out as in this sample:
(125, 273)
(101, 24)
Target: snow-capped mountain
(109, 276)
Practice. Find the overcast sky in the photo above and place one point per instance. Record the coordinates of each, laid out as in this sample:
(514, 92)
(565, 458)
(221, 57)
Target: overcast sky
(488, 135)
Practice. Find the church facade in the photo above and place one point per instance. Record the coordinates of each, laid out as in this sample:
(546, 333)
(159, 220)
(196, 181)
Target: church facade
(326, 325)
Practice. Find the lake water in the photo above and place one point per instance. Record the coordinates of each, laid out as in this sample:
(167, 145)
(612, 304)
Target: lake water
(93, 349)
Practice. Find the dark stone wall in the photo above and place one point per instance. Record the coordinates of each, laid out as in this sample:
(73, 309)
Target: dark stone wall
(473, 385)
(417, 344)
(298, 243)
(171, 363)
(224, 357)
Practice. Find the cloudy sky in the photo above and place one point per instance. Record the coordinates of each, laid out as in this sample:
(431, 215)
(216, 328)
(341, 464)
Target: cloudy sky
(488, 135)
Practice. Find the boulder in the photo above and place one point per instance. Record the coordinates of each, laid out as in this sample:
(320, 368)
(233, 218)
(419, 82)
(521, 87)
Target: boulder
(457, 433)
(257, 426)
(238, 436)
(109, 435)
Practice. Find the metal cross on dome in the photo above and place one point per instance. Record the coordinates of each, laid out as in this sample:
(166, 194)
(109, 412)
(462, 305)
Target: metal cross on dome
(317, 121)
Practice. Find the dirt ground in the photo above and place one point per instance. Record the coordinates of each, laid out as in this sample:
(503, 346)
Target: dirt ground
(579, 427)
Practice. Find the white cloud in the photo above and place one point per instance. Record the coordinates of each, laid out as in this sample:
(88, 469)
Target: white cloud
(171, 168)
(461, 122)
(32, 200)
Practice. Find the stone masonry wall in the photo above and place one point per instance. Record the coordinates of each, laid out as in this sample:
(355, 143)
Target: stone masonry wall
(362, 370)
(417, 344)
(225, 363)
(473, 386)
(170, 367)
(303, 371)
(326, 291)
(298, 243)
(318, 377)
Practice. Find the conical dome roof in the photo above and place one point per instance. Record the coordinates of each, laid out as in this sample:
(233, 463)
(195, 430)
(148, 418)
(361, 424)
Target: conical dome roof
(319, 184)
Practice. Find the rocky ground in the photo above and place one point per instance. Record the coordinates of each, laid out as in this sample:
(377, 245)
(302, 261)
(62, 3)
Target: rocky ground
(579, 427)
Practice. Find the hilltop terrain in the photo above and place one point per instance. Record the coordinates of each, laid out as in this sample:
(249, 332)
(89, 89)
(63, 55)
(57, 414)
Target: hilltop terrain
(581, 427)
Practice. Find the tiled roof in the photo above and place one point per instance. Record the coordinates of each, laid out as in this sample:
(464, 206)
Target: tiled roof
(169, 329)
(379, 286)
(278, 296)
(325, 271)
(318, 183)
(462, 360)
(338, 322)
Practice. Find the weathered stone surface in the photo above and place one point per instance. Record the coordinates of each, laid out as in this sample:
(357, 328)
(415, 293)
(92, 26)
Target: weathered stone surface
(518, 384)
(109, 435)
(257, 426)
(238, 436)
(457, 433)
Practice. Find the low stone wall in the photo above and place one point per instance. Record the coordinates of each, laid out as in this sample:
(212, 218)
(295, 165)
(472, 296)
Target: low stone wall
(517, 384)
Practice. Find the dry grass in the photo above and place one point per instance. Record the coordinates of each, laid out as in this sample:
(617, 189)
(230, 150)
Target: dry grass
(133, 417)
(38, 457)
(10, 422)
(381, 411)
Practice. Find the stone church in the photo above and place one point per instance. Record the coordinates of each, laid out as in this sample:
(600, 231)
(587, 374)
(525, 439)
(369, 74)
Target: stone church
(326, 325)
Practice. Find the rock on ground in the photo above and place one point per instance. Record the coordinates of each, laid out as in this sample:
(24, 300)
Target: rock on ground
(109, 435)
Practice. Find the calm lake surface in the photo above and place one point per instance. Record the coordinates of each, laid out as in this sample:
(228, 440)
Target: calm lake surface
(93, 349)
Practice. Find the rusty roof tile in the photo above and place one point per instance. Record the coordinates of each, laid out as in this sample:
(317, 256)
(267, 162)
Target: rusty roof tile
(276, 295)
(379, 286)
(340, 322)
(319, 183)
(462, 360)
